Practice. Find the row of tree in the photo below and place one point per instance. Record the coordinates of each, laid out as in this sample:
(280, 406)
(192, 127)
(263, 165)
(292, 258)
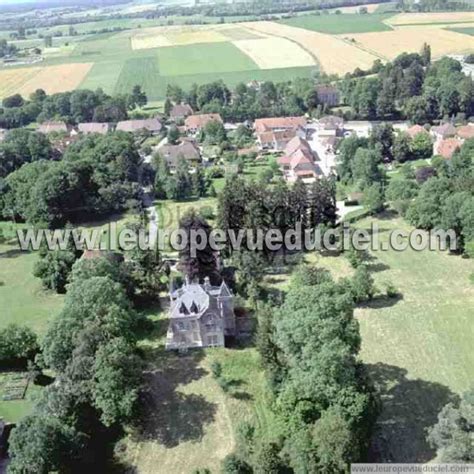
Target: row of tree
(72, 107)
(247, 102)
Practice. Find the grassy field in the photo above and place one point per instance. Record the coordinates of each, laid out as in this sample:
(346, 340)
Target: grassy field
(339, 24)
(465, 31)
(22, 297)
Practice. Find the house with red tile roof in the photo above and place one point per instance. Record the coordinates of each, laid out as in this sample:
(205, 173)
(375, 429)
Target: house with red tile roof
(465, 132)
(415, 130)
(299, 162)
(194, 123)
(447, 147)
(276, 132)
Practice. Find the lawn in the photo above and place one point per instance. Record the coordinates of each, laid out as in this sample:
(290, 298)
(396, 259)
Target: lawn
(419, 347)
(22, 298)
(188, 421)
(339, 24)
(203, 58)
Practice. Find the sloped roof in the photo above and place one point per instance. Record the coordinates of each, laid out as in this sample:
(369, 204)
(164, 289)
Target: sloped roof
(94, 127)
(275, 123)
(466, 131)
(151, 124)
(50, 126)
(199, 121)
(445, 130)
(295, 144)
(447, 147)
(181, 110)
(415, 130)
(187, 149)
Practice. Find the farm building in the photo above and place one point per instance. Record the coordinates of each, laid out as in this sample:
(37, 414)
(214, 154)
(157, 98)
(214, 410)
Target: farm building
(201, 315)
(153, 125)
(275, 133)
(49, 127)
(328, 95)
(187, 149)
(94, 127)
(194, 123)
(180, 112)
(299, 162)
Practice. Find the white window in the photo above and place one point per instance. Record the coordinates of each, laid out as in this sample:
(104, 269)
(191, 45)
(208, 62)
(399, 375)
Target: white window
(212, 340)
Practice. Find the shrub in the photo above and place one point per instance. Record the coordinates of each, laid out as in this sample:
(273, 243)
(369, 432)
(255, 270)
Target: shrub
(234, 465)
(17, 345)
(390, 290)
(216, 369)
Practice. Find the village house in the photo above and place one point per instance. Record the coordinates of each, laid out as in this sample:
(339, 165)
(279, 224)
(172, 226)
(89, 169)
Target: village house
(186, 149)
(466, 132)
(299, 162)
(194, 123)
(201, 315)
(330, 125)
(50, 127)
(447, 147)
(180, 111)
(448, 139)
(328, 95)
(153, 125)
(441, 132)
(94, 127)
(415, 130)
(275, 133)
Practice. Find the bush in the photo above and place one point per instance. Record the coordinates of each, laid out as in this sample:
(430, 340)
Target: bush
(234, 465)
(207, 212)
(362, 285)
(216, 369)
(17, 345)
(390, 290)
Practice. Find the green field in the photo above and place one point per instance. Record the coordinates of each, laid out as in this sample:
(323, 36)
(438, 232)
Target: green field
(203, 58)
(418, 347)
(22, 297)
(466, 31)
(340, 24)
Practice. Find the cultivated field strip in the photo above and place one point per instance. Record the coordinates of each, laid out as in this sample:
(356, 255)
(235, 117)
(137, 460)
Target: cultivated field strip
(427, 18)
(333, 53)
(271, 53)
(389, 44)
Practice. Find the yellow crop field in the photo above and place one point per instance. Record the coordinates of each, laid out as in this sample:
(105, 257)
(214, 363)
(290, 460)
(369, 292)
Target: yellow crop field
(12, 79)
(435, 17)
(390, 44)
(332, 53)
(53, 79)
(176, 36)
(273, 52)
